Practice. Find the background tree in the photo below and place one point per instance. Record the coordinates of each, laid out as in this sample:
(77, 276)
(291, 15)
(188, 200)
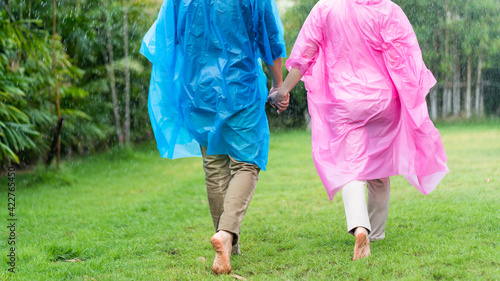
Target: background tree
(127, 75)
(110, 69)
(26, 77)
(459, 41)
(56, 81)
(85, 96)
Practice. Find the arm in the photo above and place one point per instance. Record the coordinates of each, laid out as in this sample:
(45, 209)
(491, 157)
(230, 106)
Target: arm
(291, 80)
(276, 74)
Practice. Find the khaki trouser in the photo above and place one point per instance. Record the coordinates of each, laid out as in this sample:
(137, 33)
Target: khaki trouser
(373, 216)
(230, 187)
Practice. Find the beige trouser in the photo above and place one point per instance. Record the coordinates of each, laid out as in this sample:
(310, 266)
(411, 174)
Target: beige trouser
(373, 216)
(230, 187)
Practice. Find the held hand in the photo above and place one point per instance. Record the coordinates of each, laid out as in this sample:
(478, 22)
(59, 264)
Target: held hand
(273, 89)
(272, 95)
(280, 100)
(283, 105)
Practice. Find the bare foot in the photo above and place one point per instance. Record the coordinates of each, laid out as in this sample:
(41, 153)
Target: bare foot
(221, 241)
(362, 246)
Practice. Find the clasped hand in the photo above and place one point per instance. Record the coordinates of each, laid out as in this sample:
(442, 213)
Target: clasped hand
(278, 99)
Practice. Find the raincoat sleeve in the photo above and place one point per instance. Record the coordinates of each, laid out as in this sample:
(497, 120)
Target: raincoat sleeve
(163, 28)
(269, 33)
(403, 60)
(306, 48)
(160, 47)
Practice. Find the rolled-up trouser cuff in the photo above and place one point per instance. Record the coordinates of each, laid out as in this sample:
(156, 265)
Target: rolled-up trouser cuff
(356, 211)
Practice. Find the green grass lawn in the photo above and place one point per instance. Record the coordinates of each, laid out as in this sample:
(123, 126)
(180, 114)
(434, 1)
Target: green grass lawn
(130, 215)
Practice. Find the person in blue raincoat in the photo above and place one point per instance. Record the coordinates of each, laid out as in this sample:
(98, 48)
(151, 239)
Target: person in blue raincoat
(207, 98)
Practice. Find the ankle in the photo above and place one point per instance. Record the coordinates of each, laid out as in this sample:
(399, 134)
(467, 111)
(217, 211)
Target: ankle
(226, 235)
(360, 230)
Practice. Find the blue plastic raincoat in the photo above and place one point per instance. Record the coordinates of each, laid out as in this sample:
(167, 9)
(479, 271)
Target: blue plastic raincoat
(207, 84)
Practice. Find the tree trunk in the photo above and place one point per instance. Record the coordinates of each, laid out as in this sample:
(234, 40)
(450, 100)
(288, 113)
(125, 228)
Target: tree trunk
(478, 97)
(448, 98)
(468, 94)
(111, 75)
(444, 111)
(446, 90)
(434, 103)
(433, 96)
(127, 75)
(456, 79)
(481, 101)
(21, 8)
(29, 14)
(7, 9)
(77, 8)
(56, 78)
(55, 141)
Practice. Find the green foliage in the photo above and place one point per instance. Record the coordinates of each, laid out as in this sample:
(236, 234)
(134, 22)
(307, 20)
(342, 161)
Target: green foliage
(16, 129)
(27, 81)
(26, 84)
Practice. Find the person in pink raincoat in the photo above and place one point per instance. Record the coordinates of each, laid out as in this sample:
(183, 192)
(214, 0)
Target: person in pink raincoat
(366, 82)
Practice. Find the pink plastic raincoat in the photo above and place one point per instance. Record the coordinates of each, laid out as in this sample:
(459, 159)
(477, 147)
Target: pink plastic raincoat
(366, 84)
